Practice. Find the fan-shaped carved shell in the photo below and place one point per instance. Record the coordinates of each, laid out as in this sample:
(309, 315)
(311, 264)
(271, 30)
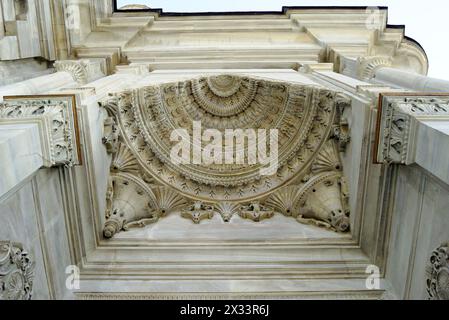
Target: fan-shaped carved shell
(227, 210)
(285, 201)
(328, 158)
(124, 160)
(168, 200)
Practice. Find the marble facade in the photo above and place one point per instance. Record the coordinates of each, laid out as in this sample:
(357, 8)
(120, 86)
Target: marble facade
(95, 210)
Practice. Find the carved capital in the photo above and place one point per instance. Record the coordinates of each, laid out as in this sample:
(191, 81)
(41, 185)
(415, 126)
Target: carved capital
(398, 120)
(16, 272)
(82, 71)
(367, 66)
(57, 122)
(438, 273)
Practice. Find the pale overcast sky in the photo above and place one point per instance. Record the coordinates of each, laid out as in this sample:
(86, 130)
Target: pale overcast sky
(426, 21)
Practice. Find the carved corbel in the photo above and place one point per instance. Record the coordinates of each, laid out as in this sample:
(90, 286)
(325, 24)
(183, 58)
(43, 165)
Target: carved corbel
(398, 121)
(16, 272)
(438, 273)
(56, 118)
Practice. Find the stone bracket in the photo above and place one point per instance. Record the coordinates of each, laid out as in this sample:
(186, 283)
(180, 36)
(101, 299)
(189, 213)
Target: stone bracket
(56, 118)
(399, 118)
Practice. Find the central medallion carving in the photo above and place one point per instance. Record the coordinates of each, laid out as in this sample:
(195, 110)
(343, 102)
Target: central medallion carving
(138, 133)
(225, 95)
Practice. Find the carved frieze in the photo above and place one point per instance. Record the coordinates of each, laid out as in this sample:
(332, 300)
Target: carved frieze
(438, 274)
(16, 272)
(311, 130)
(398, 121)
(57, 120)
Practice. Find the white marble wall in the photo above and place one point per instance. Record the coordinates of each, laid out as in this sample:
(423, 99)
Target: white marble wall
(420, 224)
(34, 216)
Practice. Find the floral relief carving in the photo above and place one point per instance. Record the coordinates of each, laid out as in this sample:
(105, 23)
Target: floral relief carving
(306, 117)
(438, 274)
(16, 272)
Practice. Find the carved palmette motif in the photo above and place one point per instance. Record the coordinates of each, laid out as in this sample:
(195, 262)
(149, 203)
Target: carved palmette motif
(309, 121)
(16, 272)
(227, 210)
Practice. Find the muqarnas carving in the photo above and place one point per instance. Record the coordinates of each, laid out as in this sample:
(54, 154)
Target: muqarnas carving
(309, 184)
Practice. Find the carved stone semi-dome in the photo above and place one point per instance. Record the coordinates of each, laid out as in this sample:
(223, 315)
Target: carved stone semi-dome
(303, 115)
